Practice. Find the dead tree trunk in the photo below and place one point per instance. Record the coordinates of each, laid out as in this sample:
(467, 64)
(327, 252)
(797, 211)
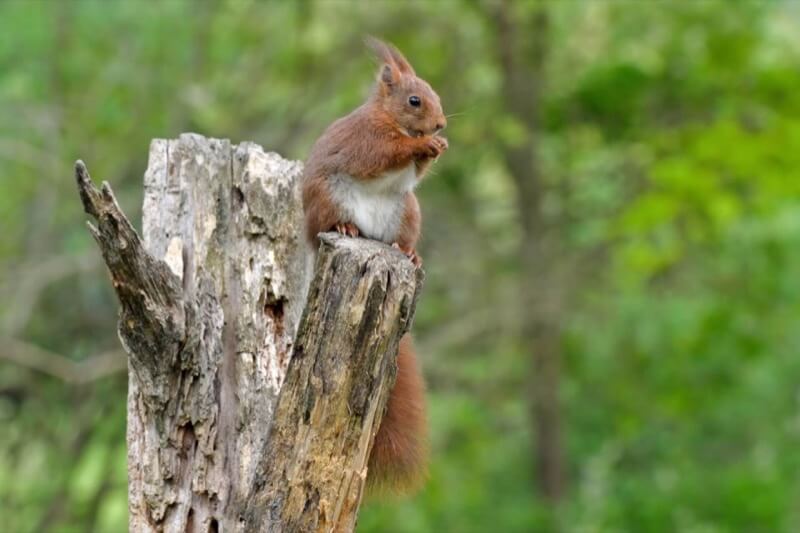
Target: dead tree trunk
(233, 423)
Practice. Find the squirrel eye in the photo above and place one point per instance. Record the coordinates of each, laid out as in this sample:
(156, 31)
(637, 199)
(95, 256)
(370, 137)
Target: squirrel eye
(414, 101)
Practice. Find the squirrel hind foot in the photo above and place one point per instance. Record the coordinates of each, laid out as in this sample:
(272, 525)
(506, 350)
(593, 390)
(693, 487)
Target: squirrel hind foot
(347, 228)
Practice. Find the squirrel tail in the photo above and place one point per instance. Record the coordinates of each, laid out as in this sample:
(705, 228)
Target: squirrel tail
(398, 462)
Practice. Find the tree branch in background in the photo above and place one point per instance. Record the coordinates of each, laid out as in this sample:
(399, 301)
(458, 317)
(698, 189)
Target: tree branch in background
(61, 367)
(30, 281)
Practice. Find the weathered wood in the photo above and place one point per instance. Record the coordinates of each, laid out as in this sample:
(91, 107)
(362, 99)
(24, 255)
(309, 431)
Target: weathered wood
(151, 322)
(315, 464)
(210, 299)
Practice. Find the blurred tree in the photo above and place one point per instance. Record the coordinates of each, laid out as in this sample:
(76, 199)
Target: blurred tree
(522, 40)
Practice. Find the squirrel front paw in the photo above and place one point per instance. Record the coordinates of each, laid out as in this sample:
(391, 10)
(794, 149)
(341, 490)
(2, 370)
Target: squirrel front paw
(411, 254)
(443, 144)
(434, 146)
(347, 228)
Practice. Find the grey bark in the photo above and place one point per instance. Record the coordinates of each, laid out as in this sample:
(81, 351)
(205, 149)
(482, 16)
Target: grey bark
(233, 424)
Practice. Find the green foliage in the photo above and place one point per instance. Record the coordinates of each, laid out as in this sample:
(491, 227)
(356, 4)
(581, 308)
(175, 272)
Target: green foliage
(669, 148)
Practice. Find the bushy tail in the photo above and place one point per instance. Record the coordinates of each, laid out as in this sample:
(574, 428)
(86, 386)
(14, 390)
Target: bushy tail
(398, 463)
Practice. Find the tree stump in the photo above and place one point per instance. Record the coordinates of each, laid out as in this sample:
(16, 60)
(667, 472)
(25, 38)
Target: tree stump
(234, 422)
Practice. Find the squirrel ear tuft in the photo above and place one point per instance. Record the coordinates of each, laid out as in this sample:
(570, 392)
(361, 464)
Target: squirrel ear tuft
(390, 55)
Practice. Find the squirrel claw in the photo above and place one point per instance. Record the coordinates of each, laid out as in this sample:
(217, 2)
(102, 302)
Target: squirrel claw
(432, 147)
(437, 145)
(411, 254)
(347, 228)
(443, 144)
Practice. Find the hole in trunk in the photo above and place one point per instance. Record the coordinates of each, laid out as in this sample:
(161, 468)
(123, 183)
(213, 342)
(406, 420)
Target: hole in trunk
(273, 308)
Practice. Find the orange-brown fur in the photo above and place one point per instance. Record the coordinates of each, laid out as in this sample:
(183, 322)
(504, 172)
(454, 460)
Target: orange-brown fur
(384, 134)
(345, 148)
(410, 227)
(399, 455)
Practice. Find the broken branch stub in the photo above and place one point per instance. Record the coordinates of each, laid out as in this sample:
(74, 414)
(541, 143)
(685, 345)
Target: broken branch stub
(314, 467)
(151, 323)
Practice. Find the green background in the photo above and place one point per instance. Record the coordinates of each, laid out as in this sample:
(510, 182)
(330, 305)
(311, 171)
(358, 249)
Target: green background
(666, 138)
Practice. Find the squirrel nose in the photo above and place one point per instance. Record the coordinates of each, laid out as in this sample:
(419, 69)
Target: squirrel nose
(440, 125)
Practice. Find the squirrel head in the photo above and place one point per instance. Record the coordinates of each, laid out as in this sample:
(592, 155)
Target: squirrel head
(409, 100)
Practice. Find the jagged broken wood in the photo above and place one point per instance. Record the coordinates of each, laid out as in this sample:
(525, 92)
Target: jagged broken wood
(360, 304)
(233, 423)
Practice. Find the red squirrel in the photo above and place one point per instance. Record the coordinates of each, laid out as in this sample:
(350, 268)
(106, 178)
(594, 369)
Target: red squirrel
(359, 180)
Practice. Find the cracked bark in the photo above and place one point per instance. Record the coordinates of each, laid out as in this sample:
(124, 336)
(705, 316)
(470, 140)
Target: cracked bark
(235, 424)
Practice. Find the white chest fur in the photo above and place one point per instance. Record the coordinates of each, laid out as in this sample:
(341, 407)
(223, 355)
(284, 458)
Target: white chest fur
(375, 206)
